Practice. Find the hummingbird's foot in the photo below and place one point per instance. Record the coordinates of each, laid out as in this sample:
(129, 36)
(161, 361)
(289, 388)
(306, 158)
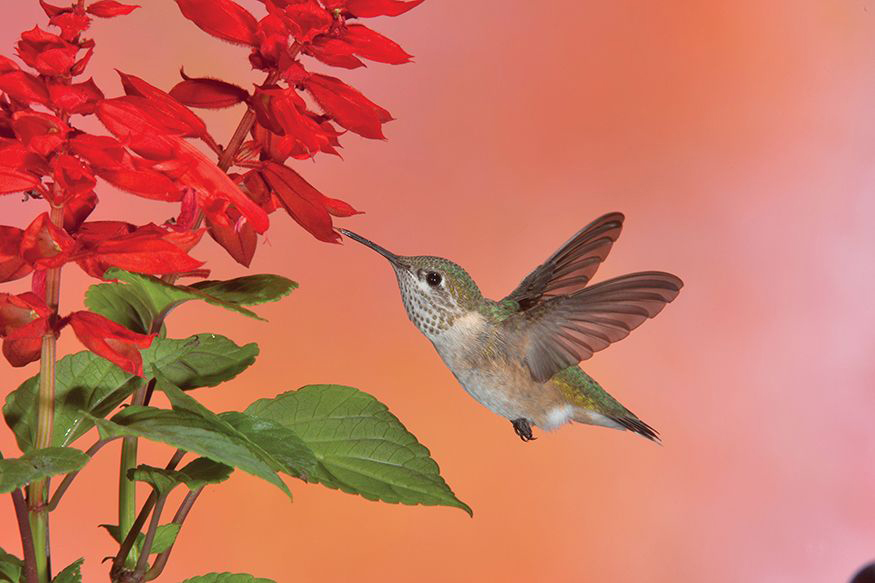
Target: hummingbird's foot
(523, 429)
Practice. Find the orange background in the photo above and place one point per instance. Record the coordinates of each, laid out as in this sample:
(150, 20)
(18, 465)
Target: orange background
(738, 139)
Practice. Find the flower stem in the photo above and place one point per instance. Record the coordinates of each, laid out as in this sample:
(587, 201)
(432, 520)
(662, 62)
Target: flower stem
(30, 574)
(178, 518)
(226, 160)
(37, 493)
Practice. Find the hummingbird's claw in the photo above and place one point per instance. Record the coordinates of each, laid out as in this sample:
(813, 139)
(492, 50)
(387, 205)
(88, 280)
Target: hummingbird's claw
(522, 428)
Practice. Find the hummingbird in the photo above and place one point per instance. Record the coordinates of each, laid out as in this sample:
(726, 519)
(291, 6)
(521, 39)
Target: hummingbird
(519, 356)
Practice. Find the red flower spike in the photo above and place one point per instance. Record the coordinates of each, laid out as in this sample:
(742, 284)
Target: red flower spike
(100, 151)
(50, 10)
(72, 176)
(24, 320)
(44, 245)
(42, 133)
(208, 93)
(46, 52)
(24, 87)
(224, 19)
(110, 8)
(72, 23)
(301, 200)
(165, 104)
(348, 106)
(224, 226)
(371, 8)
(12, 266)
(12, 180)
(76, 98)
(149, 249)
(77, 210)
(112, 341)
(307, 19)
(374, 46)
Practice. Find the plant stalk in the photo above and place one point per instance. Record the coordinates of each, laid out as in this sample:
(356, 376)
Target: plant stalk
(30, 574)
(150, 536)
(37, 492)
(178, 518)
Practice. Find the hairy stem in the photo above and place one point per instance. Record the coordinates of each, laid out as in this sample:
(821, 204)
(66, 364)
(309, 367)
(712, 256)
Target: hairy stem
(37, 493)
(150, 536)
(127, 488)
(245, 126)
(30, 574)
(68, 479)
(178, 518)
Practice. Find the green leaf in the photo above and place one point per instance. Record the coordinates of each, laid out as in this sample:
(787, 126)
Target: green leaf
(203, 434)
(283, 444)
(165, 536)
(39, 464)
(10, 568)
(361, 447)
(83, 382)
(227, 578)
(203, 471)
(71, 574)
(143, 301)
(202, 360)
(249, 290)
(162, 480)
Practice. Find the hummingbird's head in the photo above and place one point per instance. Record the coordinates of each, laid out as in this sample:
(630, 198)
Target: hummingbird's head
(435, 290)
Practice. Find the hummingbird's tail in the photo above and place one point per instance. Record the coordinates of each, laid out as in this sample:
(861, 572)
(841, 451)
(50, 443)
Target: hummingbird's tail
(626, 420)
(632, 423)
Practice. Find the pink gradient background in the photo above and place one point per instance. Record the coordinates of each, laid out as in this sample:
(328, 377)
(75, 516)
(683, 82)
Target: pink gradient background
(738, 138)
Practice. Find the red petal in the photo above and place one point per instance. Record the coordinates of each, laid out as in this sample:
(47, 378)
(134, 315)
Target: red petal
(221, 18)
(100, 151)
(24, 320)
(41, 132)
(76, 98)
(146, 250)
(348, 106)
(141, 126)
(72, 24)
(301, 200)
(237, 237)
(374, 46)
(81, 64)
(44, 245)
(113, 342)
(7, 65)
(24, 87)
(333, 51)
(46, 52)
(208, 93)
(339, 208)
(370, 8)
(141, 181)
(12, 180)
(51, 10)
(165, 104)
(20, 310)
(110, 8)
(12, 266)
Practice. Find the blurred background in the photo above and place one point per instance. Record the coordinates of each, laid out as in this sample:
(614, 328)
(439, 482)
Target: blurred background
(739, 140)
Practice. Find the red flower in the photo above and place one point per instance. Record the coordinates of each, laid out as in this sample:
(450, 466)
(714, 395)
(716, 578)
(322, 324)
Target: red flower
(42, 133)
(221, 18)
(147, 249)
(226, 227)
(306, 19)
(110, 8)
(356, 39)
(77, 210)
(72, 176)
(76, 98)
(12, 266)
(12, 180)
(46, 52)
(166, 105)
(208, 93)
(44, 245)
(24, 320)
(284, 113)
(348, 106)
(71, 22)
(310, 208)
(113, 342)
(24, 87)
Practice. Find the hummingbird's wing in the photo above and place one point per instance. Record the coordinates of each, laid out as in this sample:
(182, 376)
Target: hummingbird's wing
(573, 265)
(562, 331)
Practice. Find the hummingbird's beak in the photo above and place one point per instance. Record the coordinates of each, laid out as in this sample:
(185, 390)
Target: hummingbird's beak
(393, 259)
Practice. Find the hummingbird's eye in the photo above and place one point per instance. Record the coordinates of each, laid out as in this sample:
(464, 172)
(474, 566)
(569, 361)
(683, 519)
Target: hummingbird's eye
(433, 278)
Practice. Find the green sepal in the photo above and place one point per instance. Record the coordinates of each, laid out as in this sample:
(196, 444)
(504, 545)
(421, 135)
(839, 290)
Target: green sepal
(83, 382)
(361, 447)
(39, 464)
(249, 290)
(202, 360)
